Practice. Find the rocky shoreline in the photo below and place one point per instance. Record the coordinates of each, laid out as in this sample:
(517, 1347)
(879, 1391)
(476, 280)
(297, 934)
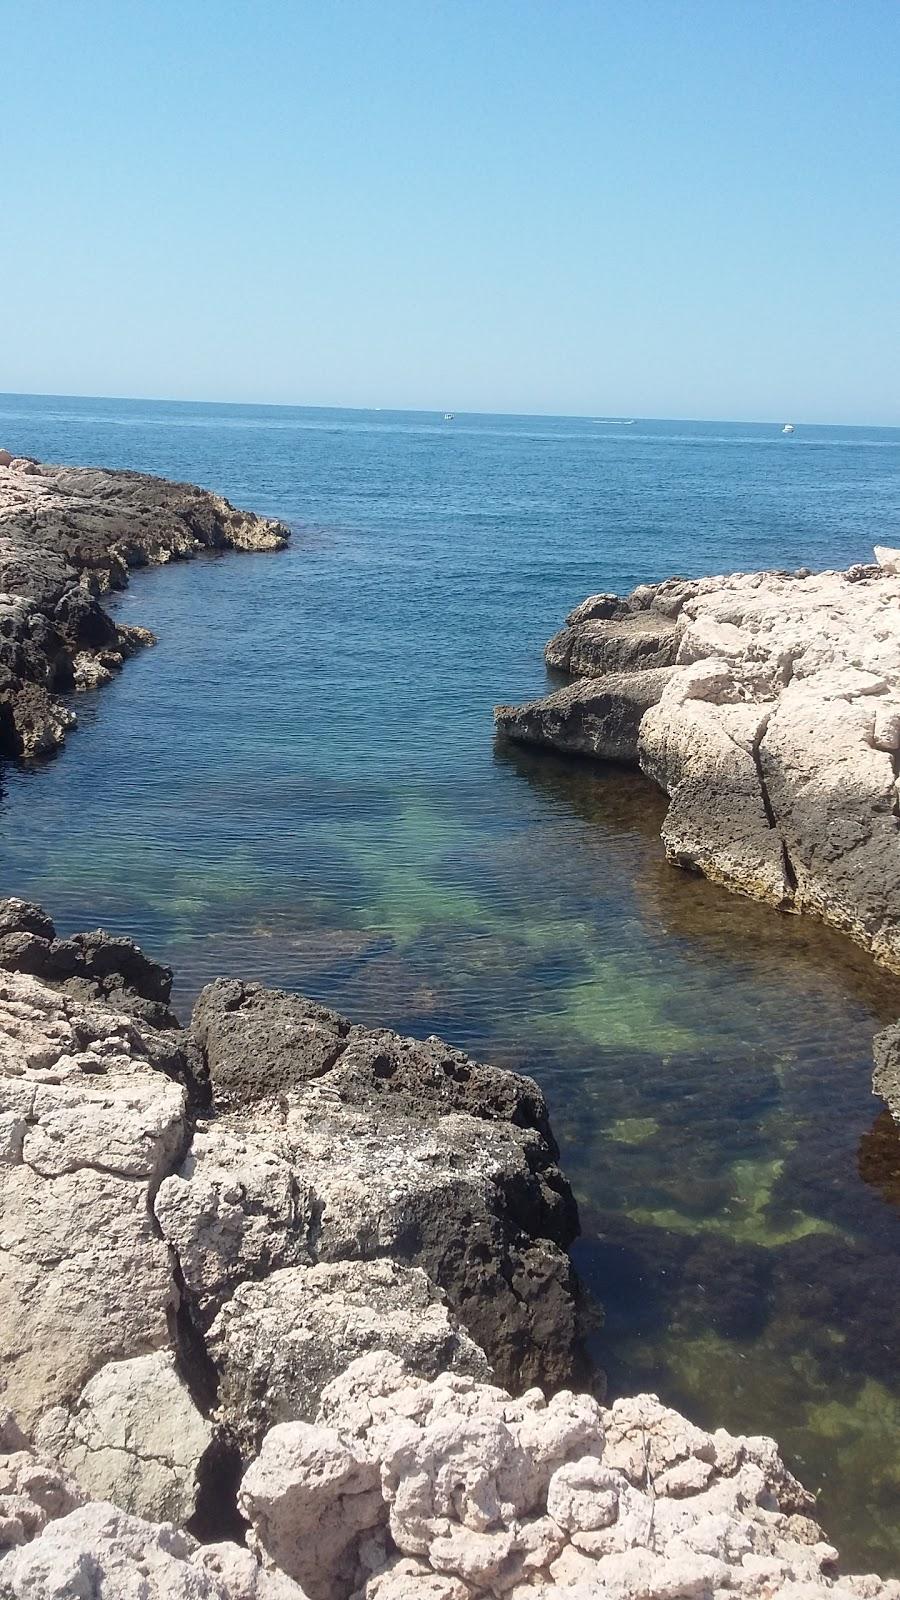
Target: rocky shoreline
(69, 535)
(289, 1305)
(284, 1298)
(766, 705)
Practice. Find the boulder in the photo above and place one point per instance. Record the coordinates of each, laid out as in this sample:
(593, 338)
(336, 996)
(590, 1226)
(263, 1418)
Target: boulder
(93, 966)
(886, 1079)
(600, 644)
(593, 717)
(404, 1488)
(92, 1117)
(103, 1552)
(134, 1436)
(362, 1145)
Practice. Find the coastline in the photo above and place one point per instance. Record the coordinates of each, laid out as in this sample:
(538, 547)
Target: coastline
(766, 706)
(248, 1259)
(247, 1056)
(69, 535)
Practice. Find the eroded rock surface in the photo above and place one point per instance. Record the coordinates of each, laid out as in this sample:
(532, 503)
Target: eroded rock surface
(453, 1489)
(315, 1284)
(775, 731)
(67, 535)
(200, 1229)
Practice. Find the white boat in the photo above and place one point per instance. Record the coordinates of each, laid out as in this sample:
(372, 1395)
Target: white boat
(449, 416)
(788, 427)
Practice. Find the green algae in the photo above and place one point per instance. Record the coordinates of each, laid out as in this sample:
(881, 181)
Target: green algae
(746, 1215)
(632, 1130)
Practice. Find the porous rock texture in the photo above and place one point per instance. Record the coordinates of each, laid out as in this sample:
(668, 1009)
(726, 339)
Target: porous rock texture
(767, 706)
(201, 1228)
(450, 1489)
(68, 535)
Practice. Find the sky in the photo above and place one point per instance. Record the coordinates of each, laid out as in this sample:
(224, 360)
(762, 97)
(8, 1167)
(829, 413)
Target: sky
(668, 208)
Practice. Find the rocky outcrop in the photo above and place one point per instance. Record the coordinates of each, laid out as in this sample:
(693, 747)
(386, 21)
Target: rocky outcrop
(262, 1278)
(92, 1115)
(770, 717)
(182, 1274)
(358, 1146)
(91, 966)
(405, 1489)
(68, 535)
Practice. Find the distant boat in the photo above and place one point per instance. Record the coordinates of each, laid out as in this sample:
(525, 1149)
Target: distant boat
(615, 422)
(449, 416)
(788, 427)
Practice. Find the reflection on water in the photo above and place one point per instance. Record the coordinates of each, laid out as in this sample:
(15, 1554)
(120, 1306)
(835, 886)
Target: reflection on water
(299, 785)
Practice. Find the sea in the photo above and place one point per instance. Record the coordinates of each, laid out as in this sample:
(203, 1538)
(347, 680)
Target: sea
(300, 783)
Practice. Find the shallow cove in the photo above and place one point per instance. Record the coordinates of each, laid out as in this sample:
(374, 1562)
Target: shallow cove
(300, 784)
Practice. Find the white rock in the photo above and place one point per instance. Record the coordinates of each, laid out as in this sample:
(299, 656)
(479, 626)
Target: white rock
(134, 1435)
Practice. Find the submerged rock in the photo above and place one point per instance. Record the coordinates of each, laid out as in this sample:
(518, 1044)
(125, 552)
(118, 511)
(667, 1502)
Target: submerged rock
(67, 534)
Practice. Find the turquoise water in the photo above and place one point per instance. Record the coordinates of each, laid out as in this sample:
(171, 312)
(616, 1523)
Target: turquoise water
(300, 784)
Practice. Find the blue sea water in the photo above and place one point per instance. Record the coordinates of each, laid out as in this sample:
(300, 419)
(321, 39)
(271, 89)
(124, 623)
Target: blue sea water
(300, 783)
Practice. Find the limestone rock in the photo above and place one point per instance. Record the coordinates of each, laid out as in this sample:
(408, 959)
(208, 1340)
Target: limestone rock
(134, 1436)
(452, 1489)
(886, 1079)
(32, 1492)
(635, 642)
(383, 1147)
(100, 1551)
(776, 734)
(97, 966)
(279, 1342)
(91, 1122)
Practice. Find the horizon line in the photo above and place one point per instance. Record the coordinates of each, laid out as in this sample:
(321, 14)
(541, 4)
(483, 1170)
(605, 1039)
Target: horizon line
(439, 411)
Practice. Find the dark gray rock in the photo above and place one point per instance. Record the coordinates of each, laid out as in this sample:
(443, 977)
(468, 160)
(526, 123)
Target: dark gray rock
(67, 534)
(98, 965)
(611, 644)
(593, 717)
(405, 1150)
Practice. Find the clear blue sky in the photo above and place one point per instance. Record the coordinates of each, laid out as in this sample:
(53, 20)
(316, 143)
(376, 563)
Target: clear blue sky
(648, 207)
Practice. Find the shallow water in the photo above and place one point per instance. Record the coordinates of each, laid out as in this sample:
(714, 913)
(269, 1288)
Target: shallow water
(300, 784)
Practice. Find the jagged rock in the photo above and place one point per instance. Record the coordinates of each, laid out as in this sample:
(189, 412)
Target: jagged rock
(32, 1492)
(66, 535)
(386, 1147)
(278, 1343)
(886, 1080)
(180, 1277)
(776, 735)
(93, 966)
(451, 1489)
(91, 1121)
(635, 642)
(101, 1553)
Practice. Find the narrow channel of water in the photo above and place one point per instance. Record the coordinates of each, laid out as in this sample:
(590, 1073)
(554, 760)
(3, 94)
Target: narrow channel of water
(300, 784)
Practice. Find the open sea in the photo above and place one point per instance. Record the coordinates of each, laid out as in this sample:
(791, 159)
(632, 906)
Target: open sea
(300, 784)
